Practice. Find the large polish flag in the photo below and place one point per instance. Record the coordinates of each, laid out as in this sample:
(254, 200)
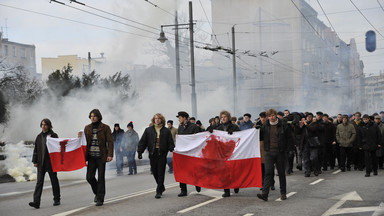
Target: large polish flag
(218, 160)
(67, 154)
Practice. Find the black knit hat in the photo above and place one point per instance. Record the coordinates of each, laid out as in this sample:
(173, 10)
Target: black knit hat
(130, 124)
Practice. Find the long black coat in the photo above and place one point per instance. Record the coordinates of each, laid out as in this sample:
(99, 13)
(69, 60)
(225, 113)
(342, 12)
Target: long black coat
(40, 152)
(148, 140)
(369, 137)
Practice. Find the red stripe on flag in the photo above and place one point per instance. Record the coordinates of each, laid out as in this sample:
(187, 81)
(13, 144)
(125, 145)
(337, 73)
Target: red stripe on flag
(68, 161)
(217, 174)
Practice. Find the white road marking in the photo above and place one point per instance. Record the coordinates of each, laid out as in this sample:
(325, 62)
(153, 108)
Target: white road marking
(337, 171)
(115, 199)
(212, 193)
(317, 181)
(199, 205)
(288, 195)
(248, 214)
(342, 199)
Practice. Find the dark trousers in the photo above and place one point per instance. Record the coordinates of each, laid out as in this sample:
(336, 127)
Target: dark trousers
(263, 175)
(328, 156)
(272, 158)
(98, 186)
(345, 156)
(334, 156)
(158, 164)
(299, 156)
(358, 158)
(310, 157)
(370, 161)
(40, 183)
(290, 159)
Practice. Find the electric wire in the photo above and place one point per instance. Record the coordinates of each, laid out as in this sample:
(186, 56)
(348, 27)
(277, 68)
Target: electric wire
(213, 32)
(104, 17)
(327, 17)
(317, 33)
(155, 5)
(380, 5)
(366, 19)
(94, 8)
(75, 21)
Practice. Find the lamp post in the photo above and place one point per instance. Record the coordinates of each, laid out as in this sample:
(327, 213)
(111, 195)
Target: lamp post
(162, 39)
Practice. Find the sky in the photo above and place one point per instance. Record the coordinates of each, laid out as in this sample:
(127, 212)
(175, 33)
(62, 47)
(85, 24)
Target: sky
(54, 34)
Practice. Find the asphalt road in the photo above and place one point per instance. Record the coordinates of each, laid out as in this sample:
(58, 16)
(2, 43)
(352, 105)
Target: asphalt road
(331, 193)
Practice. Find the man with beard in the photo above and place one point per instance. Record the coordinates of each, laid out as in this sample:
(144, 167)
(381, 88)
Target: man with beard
(42, 161)
(276, 136)
(186, 127)
(226, 125)
(158, 140)
(99, 152)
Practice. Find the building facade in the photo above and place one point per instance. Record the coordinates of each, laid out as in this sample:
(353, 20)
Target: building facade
(285, 62)
(13, 54)
(79, 65)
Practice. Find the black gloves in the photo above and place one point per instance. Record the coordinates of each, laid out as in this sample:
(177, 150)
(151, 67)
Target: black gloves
(230, 132)
(140, 156)
(210, 130)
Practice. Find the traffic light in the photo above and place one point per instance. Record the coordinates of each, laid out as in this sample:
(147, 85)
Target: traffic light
(370, 41)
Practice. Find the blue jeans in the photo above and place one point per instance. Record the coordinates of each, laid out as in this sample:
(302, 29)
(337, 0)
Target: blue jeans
(170, 164)
(119, 162)
(131, 162)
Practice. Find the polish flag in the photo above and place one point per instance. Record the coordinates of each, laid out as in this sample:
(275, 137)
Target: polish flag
(218, 160)
(67, 154)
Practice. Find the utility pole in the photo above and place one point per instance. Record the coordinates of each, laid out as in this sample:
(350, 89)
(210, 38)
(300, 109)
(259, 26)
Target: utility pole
(234, 71)
(194, 105)
(178, 85)
(89, 62)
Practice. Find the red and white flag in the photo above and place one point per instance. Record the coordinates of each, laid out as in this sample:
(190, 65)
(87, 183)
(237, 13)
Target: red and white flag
(67, 154)
(218, 160)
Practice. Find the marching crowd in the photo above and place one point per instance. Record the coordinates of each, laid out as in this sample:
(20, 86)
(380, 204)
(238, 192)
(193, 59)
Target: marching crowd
(315, 142)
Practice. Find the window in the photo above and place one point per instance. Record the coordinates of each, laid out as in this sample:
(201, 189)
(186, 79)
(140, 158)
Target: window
(23, 53)
(14, 51)
(6, 50)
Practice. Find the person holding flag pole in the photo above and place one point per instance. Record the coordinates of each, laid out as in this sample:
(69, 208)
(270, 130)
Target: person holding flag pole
(41, 160)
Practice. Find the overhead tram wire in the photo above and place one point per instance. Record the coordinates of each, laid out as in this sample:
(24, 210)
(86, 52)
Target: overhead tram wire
(61, 3)
(380, 5)
(155, 5)
(317, 33)
(80, 3)
(213, 32)
(327, 18)
(366, 18)
(75, 21)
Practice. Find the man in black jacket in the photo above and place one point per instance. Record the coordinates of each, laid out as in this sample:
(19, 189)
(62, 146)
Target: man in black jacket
(158, 139)
(42, 161)
(369, 141)
(226, 125)
(186, 127)
(276, 136)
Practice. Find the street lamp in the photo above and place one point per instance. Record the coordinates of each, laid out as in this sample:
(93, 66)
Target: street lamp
(162, 39)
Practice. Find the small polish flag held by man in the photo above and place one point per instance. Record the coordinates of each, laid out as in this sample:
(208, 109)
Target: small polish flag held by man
(67, 154)
(218, 160)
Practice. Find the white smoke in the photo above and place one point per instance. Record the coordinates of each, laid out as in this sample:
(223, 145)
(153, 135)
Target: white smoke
(17, 163)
